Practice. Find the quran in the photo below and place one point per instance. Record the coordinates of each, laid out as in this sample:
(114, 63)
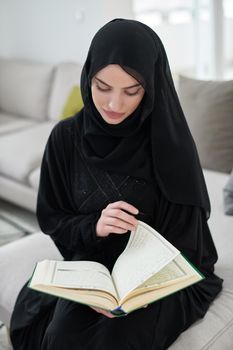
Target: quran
(149, 268)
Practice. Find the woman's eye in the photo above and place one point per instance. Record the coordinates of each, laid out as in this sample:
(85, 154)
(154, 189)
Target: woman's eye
(102, 88)
(132, 93)
(107, 89)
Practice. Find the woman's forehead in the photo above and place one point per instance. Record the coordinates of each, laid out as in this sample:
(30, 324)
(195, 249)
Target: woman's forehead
(114, 74)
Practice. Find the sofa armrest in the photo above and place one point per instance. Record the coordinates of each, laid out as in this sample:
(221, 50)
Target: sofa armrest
(17, 261)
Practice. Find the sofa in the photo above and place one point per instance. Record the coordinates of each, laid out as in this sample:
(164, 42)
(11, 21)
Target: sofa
(32, 99)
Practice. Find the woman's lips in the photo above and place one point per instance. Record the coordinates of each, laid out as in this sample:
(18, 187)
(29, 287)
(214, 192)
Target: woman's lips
(113, 115)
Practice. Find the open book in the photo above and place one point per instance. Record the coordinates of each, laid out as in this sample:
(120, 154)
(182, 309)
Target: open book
(148, 269)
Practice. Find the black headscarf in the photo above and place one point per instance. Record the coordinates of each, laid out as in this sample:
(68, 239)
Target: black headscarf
(157, 127)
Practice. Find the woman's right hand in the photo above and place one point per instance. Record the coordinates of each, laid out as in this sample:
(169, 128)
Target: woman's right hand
(117, 217)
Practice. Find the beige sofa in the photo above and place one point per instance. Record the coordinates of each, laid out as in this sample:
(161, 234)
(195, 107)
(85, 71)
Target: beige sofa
(32, 96)
(214, 332)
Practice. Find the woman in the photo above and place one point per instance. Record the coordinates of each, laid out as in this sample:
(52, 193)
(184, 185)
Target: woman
(128, 151)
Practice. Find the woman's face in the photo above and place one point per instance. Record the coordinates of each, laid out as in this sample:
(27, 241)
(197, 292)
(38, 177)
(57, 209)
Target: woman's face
(115, 93)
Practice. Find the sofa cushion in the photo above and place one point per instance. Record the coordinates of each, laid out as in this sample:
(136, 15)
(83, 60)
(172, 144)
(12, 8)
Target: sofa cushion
(25, 87)
(11, 123)
(73, 104)
(34, 178)
(66, 76)
(18, 193)
(22, 151)
(228, 195)
(208, 107)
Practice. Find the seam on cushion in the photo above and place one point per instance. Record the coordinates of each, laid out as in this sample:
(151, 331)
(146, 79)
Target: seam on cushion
(221, 332)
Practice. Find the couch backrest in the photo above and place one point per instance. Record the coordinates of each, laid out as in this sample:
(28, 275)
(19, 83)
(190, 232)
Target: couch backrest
(66, 76)
(208, 108)
(25, 88)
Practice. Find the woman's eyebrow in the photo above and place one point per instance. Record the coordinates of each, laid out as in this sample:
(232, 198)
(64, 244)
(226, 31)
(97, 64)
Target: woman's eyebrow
(127, 87)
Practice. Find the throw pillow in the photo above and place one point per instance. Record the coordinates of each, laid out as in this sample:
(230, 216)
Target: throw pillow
(74, 103)
(228, 196)
(208, 108)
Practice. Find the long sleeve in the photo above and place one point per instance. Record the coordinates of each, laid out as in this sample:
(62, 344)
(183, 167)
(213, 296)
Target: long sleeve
(72, 232)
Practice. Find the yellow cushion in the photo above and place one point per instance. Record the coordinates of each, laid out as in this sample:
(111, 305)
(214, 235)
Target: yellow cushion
(74, 103)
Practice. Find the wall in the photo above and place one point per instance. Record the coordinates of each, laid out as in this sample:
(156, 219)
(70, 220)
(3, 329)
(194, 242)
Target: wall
(48, 31)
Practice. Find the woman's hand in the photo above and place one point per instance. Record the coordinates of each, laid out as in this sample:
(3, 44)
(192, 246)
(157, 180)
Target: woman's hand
(104, 312)
(117, 217)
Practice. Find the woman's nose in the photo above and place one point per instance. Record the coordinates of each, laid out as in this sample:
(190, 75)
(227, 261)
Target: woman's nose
(115, 103)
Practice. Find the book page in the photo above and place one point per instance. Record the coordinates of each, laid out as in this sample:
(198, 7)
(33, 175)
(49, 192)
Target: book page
(169, 273)
(146, 253)
(174, 273)
(75, 275)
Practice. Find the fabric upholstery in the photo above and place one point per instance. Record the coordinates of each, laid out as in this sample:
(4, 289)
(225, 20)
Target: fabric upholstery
(34, 178)
(24, 88)
(10, 123)
(208, 107)
(16, 270)
(66, 76)
(22, 151)
(228, 195)
(74, 103)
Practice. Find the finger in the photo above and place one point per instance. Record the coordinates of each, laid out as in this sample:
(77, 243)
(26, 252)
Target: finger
(107, 314)
(122, 215)
(118, 223)
(104, 312)
(125, 206)
(115, 229)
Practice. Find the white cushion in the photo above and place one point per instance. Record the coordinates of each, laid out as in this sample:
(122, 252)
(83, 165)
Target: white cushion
(22, 151)
(18, 193)
(10, 123)
(34, 178)
(66, 76)
(25, 87)
(17, 261)
(216, 327)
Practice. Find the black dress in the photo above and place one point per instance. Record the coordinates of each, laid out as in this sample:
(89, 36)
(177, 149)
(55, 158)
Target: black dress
(71, 197)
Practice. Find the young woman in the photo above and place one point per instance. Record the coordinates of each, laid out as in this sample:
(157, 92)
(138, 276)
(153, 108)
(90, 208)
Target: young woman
(128, 151)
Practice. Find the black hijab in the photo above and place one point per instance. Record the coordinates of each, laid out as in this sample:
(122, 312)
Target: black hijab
(157, 127)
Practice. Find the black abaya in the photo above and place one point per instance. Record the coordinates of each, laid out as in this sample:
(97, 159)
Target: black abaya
(71, 196)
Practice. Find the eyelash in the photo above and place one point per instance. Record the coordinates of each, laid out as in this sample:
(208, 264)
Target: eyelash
(127, 93)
